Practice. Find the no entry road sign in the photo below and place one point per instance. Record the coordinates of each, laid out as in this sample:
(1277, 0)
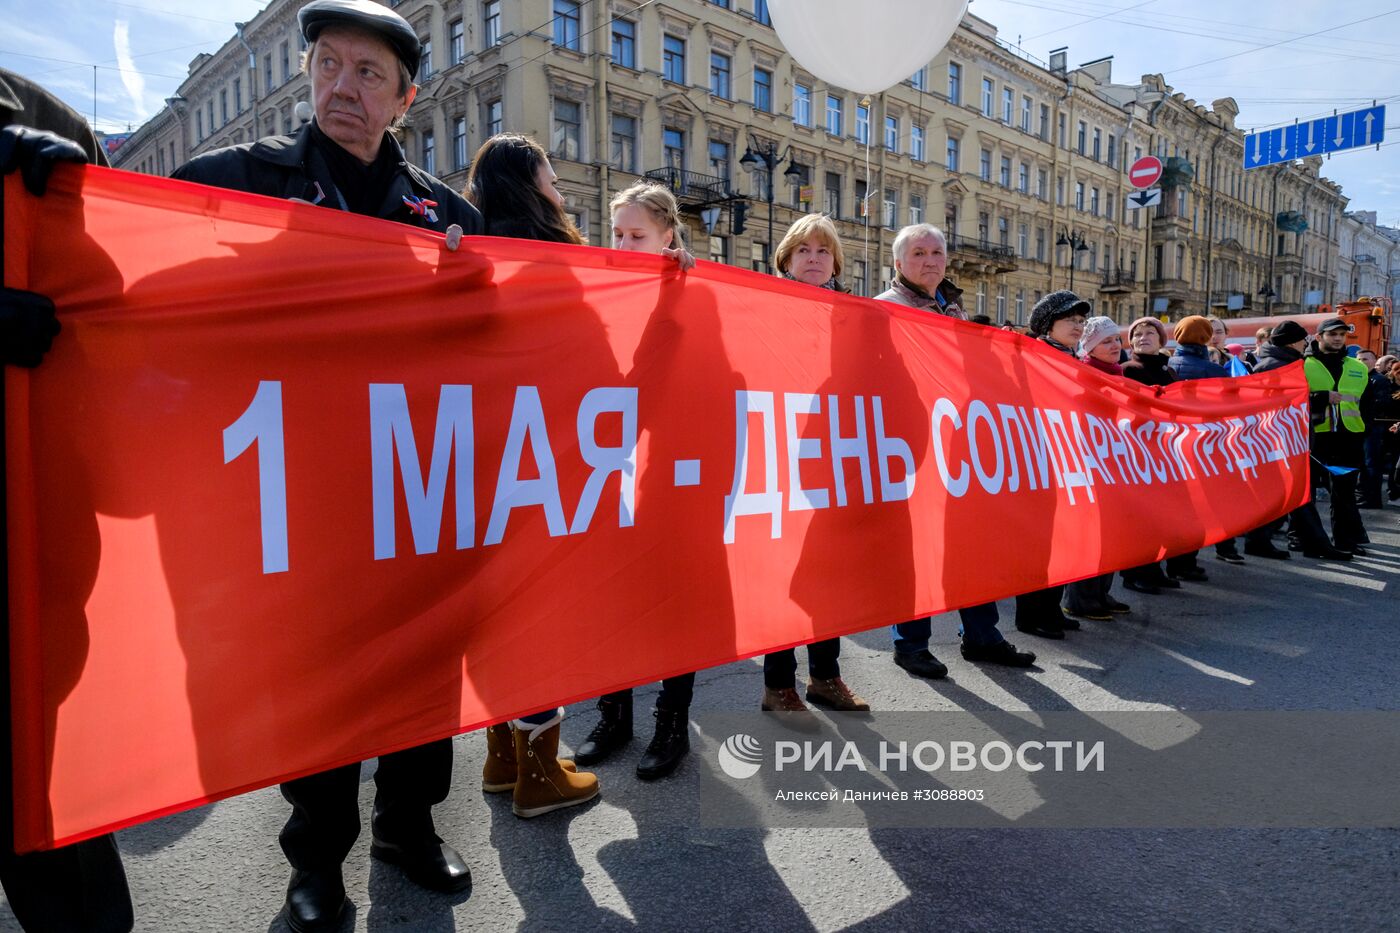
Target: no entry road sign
(1145, 172)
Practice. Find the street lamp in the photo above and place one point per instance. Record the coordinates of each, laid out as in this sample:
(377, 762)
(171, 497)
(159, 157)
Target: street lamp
(767, 155)
(1268, 294)
(1077, 245)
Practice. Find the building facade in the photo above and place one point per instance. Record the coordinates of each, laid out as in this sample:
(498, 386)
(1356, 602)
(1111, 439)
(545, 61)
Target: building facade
(1023, 164)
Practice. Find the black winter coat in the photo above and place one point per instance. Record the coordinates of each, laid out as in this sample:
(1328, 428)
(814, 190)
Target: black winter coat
(1150, 369)
(1272, 357)
(290, 167)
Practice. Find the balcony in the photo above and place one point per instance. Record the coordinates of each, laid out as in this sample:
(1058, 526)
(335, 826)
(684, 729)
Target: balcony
(1118, 281)
(968, 254)
(1175, 290)
(691, 187)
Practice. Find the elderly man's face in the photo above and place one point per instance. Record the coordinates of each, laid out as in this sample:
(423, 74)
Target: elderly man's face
(925, 259)
(355, 85)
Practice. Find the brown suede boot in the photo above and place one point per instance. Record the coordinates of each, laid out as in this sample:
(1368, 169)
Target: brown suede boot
(498, 774)
(543, 784)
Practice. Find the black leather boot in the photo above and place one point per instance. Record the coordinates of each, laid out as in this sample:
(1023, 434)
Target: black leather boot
(315, 900)
(668, 746)
(613, 731)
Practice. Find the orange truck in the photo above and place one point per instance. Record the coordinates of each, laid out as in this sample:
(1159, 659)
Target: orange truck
(1370, 320)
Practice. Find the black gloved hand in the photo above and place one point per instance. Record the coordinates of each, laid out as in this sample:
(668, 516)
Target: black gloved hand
(27, 327)
(34, 153)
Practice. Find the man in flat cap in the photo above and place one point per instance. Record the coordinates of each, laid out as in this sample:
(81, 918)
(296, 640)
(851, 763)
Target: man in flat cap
(1337, 385)
(361, 57)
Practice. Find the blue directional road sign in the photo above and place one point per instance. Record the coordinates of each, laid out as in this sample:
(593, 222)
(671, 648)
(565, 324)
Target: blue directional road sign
(1364, 127)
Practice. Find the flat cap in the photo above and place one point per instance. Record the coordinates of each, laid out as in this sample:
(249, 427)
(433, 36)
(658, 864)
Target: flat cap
(367, 15)
(1333, 323)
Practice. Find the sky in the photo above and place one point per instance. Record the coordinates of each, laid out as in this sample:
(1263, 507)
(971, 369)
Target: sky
(1309, 59)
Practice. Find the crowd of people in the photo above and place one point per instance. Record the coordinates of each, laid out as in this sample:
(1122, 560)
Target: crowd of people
(361, 57)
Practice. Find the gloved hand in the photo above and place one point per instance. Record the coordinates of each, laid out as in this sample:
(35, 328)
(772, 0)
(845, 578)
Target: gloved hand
(34, 153)
(27, 327)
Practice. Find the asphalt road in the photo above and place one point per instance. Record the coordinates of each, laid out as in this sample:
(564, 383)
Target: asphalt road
(1267, 635)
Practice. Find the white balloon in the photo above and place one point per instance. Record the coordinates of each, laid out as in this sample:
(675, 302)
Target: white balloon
(866, 46)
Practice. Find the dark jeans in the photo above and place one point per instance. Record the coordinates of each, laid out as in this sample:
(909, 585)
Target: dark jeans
(1182, 563)
(675, 694)
(780, 667)
(1089, 595)
(1305, 528)
(978, 627)
(325, 820)
(1263, 536)
(1040, 605)
(1148, 574)
(1227, 548)
(1346, 517)
(76, 889)
(1369, 489)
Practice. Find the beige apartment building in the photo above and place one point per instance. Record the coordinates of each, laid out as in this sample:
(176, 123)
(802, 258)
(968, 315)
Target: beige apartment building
(1022, 163)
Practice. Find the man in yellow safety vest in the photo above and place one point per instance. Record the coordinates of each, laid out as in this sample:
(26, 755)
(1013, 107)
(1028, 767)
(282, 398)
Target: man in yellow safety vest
(1336, 385)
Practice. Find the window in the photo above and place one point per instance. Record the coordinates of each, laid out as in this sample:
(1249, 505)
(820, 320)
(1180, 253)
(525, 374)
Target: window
(1023, 179)
(862, 124)
(1008, 104)
(1005, 172)
(719, 249)
(493, 117)
(237, 95)
(1025, 114)
(985, 165)
(719, 160)
(456, 42)
(1082, 138)
(862, 200)
(425, 61)
(1060, 189)
(624, 43)
(568, 122)
(859, 278)
(916, 143)
(491, 24)
(1098, 143)
(831, 195)
(1064, 144)
(1079, 195)
(955, 83)
(916, 209)
(802, 179)
(1042, 184)
(981, 298)
(763, 90)
(223, 106)
(673, 59)
(723, 3)
(758, 180)
(211, 116)
(719, 75)
(286, 62)
(1039, 244)
(1020, 305)
(988, 93)
(199, 124)
(801, 105)
(834, 121)
(891, 208)
(760, 12)
(892, 134)
(429, 161)
(624, 142)
(1108, 210)
(566, 22)
(1023, 240)
(267, 72)
(459, 144)
(673, 145)
(1003, 231)
(1094, 201)
(952, 164)
(1112, 150)
(1001, 303)
(919, 80)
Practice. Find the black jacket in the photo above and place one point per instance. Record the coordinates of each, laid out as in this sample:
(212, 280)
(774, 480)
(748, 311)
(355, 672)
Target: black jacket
(1150, 369)
(1272, 357)
(290, 167)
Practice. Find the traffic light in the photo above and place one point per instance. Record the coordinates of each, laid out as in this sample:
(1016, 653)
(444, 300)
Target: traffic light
(737, 218)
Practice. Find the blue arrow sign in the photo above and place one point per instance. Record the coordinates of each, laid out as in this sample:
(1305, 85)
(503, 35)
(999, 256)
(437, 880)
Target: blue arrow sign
(1365, 127)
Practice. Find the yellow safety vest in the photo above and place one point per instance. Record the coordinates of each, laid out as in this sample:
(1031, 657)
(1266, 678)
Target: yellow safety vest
(1350, 386)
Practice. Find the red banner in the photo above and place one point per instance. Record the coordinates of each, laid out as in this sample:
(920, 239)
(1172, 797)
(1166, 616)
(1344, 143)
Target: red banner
(295, 488)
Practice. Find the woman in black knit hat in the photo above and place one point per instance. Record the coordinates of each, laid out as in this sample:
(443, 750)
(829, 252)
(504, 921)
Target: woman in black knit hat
(1058, 320)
